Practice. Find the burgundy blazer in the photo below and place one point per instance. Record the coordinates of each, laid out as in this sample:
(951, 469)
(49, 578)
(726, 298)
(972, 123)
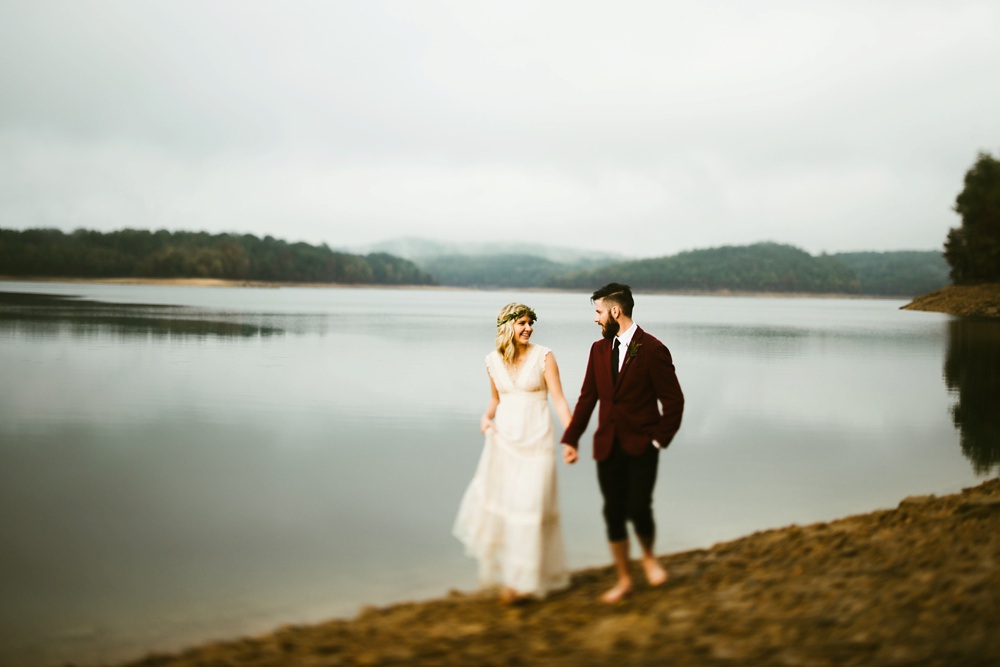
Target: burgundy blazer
(629, 409)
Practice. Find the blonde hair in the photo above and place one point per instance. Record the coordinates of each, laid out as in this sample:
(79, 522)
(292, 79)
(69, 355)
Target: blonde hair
(509, 314)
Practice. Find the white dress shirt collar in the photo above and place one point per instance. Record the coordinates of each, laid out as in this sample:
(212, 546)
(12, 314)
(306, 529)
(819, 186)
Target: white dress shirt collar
(626, 337)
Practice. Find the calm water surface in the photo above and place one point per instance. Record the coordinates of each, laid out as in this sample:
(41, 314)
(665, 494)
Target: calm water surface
(179, 464)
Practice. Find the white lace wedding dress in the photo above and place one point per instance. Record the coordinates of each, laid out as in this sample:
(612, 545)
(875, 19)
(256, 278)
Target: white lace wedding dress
(509, 516)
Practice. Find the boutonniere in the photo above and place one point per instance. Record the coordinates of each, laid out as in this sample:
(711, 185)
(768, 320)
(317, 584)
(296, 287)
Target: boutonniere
(633, 351)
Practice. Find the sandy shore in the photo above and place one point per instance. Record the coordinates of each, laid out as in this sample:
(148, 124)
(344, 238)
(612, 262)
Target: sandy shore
(968, 300)
(915, 585)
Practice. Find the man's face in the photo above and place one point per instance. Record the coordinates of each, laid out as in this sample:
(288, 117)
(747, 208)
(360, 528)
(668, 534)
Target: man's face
(609, 326)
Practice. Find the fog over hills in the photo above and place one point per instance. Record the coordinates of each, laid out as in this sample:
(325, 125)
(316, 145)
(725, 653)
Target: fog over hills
(417, 248)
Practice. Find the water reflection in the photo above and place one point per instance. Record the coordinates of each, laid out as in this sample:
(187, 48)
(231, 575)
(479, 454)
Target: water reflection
(295, 453)
(972, 373)
(50, 314)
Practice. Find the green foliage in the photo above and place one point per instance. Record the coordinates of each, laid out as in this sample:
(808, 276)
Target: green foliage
(492, 270)
(132, 253)
(972, 373)
(772, 267)
(900, 273)
(973, 249)
(762, 267)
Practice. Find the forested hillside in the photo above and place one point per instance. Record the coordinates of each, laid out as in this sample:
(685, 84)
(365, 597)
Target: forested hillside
(899, 273)
(164, 254)
(502, 270)
(420, 249)
(762, 267)
(772, 267)
(492, 270)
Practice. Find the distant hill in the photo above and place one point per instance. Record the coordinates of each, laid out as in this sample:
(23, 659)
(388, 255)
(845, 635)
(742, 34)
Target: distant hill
(492, 264)
(761, 267)
(163, 254)
(492, 270)
(773, 267)
(899, 273)
(415, 248)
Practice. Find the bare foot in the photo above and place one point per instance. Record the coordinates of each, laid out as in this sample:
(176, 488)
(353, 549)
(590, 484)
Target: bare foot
(511, 597)
(655, 574)
(618, 592)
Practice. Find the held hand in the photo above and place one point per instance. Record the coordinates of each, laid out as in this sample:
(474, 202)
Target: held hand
(570, 455)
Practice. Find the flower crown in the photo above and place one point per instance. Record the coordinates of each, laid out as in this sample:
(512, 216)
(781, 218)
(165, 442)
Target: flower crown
(516, 315)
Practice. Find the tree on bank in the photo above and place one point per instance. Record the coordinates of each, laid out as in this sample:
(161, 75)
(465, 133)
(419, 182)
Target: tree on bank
(973, 249)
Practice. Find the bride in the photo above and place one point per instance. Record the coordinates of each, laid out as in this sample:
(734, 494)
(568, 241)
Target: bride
(509, 515)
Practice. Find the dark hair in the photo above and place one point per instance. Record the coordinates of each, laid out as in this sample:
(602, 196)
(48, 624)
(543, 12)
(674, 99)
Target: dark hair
(618, 294)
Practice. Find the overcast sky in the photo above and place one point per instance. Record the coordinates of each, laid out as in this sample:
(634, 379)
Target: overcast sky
(643, 128)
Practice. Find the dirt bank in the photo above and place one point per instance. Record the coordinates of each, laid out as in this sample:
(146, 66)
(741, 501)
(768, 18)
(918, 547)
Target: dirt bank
(916, 585)
(969, 300)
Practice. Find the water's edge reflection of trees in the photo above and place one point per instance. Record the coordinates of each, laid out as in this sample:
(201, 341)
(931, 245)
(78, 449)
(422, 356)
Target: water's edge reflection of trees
(972, 373)
(41, 314)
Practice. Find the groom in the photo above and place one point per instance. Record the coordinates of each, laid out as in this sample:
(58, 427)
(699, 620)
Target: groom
(631, 374)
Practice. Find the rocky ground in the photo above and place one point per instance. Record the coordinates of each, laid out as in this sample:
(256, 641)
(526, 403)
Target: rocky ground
(915, 585)
(969, 300)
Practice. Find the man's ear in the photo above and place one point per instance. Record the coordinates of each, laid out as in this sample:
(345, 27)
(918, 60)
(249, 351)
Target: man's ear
(615, 312)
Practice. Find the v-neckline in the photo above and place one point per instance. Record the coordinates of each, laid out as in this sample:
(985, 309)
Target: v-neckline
(516, 375)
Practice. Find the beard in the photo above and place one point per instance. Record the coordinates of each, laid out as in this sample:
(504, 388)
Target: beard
(610, 329)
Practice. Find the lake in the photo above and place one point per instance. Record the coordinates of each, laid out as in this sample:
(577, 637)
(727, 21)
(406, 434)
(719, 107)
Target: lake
(180, 464)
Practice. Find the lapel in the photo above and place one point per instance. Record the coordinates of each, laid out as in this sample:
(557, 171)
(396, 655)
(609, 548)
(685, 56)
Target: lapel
(604, 365)
(629, 361)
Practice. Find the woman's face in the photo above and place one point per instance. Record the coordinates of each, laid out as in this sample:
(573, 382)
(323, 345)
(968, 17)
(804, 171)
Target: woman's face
(522, 330)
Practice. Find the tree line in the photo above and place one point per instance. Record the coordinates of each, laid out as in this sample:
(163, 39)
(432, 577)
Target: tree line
(774, 267)
(897, 273)
(132, 253)
(762, 267)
